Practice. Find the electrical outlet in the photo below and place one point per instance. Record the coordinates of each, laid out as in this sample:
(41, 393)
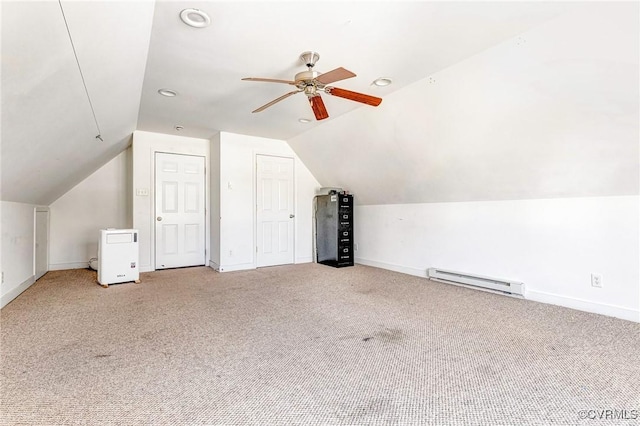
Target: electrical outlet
(355, 246)
(230, 252)
(596, 280)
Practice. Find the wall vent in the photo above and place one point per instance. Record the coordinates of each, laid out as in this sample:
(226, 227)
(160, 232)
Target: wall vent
(496, 285)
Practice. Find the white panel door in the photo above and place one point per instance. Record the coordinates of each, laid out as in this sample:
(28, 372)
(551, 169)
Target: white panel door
(42, 242)
(275, 210)
(180, 214)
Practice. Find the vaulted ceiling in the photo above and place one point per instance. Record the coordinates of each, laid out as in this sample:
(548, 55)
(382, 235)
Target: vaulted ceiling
(129, 50)
(48, 132)
(551, 113)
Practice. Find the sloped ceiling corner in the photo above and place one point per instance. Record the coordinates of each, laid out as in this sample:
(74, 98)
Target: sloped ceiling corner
(401, 39)
(48, 129)
(550, 113)
(533, 119)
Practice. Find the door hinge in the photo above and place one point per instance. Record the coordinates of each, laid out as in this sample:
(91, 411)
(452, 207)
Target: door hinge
(256, 249)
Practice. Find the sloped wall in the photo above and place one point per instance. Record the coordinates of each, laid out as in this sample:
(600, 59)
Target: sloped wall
(548, 120)
(47, 122)
(552, 113)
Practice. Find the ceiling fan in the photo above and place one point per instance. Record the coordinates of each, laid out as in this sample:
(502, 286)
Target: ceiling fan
(312, 83)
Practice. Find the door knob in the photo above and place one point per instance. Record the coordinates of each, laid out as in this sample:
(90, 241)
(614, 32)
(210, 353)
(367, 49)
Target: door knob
(159, 218)
(291, 216)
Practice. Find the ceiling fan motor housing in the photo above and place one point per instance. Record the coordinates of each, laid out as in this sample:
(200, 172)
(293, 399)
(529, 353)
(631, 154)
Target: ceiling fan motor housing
(306, 76)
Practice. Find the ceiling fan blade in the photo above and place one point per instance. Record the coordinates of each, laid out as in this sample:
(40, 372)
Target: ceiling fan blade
(317, 105)
(354, 96)
(335, 75)
(268, 80)
(265, 106)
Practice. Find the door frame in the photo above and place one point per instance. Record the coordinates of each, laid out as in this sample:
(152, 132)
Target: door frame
(153, 198)
(36, 210)
(255, 203)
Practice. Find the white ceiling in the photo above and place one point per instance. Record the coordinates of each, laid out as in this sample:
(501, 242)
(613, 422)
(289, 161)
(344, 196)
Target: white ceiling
(48, 131)
(551, 113)
(402, 40)
(128, 50)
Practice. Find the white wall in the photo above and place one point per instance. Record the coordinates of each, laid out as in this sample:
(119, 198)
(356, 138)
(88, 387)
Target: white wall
(48, 134)
(103, 200)
(18, 242)
(145, 145)
(237, 200)
(214, 182)
(552, 245)
(521, 162)
(552, 113)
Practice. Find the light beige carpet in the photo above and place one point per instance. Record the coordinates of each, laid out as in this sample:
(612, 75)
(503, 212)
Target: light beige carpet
(307, 344)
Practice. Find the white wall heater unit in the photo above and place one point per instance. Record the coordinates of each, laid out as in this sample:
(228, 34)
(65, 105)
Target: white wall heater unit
(513, 288)
(118, 256)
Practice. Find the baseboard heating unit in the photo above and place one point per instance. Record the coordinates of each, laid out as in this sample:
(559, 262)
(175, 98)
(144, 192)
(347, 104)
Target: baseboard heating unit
(512, 288)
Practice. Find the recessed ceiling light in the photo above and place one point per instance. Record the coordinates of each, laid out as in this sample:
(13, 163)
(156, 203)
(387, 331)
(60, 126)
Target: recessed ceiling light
(304, 120)
(167, 92)
(178, 127)
(382, 81)
(195, 18)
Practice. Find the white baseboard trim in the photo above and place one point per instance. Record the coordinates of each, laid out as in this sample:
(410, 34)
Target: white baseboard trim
(232, 268)
(536, 296)
(306, 259)
(5, 299)
(584, 305)
(393, 267)
(146, 268)
(68, 265)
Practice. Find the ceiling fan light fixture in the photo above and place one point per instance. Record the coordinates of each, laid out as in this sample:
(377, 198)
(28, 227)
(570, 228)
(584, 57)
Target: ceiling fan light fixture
(195, 18)
(168, 93)
(382, 81)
